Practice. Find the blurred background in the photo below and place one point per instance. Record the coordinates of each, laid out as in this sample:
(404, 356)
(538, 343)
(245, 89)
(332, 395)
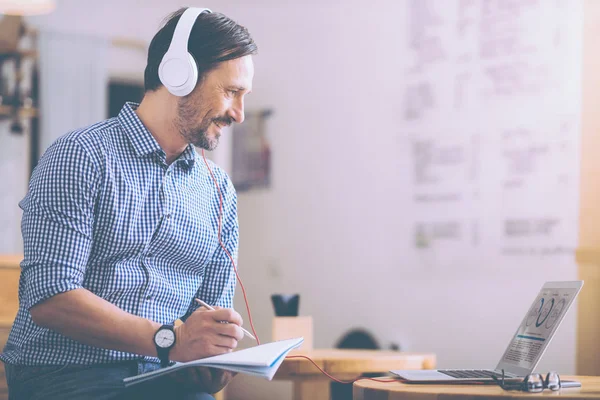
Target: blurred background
(417, 164)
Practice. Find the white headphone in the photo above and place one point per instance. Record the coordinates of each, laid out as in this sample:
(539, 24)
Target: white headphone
(178, 71)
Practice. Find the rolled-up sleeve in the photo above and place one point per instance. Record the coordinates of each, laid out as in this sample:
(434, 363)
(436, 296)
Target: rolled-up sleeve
(57, 223)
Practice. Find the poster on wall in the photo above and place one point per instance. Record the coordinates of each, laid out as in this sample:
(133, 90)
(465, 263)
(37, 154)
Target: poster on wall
(251, 153)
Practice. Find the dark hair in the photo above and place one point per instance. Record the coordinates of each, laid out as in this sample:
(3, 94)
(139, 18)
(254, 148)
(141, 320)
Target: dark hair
(214, 38)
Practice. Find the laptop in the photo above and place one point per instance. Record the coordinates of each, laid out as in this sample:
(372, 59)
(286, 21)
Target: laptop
(525, 348)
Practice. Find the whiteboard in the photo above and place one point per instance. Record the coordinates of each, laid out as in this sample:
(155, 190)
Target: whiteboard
(491, 111)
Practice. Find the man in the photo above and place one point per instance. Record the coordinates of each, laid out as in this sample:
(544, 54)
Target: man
(122, 230)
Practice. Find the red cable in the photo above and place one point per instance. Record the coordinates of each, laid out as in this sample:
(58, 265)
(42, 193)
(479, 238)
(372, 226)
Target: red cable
(244, 290)
(225, 249)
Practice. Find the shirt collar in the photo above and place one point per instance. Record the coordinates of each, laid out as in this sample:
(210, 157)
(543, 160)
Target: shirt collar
(139, 136)
(187, 159)
(142, 140)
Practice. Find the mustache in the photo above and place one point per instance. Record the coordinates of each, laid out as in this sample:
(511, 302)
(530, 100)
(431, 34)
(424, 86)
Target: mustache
(223, 121)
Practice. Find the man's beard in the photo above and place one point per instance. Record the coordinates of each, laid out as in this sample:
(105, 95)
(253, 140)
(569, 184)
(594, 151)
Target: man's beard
(198, 135)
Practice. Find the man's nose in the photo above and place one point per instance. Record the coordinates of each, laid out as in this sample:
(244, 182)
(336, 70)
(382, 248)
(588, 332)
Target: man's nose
(237, 110)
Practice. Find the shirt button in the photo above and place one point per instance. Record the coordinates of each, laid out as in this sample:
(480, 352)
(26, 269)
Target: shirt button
(167, 215)
(149, 297)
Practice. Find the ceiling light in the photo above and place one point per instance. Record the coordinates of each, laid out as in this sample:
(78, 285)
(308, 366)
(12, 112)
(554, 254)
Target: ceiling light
(26, 7)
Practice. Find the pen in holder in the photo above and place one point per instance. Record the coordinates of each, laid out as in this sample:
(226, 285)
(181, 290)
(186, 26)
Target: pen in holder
(287, 324)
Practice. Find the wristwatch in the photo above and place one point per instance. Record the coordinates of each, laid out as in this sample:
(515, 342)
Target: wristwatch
(164, 340)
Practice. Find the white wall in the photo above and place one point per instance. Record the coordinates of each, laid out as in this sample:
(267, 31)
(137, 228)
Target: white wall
(335, 226)
(14, 176)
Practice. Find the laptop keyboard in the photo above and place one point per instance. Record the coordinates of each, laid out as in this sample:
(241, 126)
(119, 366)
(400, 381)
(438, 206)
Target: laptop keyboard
(470, 373)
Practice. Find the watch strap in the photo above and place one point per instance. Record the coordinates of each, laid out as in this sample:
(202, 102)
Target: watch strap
(163, 355)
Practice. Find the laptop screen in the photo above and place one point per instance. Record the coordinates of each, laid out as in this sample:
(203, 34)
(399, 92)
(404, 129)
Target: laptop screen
(537, 328)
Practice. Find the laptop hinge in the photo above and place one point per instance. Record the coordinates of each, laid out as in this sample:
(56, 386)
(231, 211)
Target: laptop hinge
(507, 374)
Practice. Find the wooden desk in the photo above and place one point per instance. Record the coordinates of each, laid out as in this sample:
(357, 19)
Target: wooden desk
(9, 304)
(310, 383)
(370, 390)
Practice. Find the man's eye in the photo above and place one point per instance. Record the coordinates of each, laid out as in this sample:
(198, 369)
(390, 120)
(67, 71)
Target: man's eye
(232, 92)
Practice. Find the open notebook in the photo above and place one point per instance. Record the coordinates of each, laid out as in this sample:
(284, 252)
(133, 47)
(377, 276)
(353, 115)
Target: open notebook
(262, 360)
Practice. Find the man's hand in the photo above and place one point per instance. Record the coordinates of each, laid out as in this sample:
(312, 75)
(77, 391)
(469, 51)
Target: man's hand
(204, 334)
(210, 380)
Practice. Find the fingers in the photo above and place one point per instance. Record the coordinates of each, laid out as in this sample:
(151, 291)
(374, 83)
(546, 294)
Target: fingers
(213, 332)
(218, 350)
(227, 315)
(223, 314)
(214, 350)
(225, 341)
(225, 350)
(230, 330)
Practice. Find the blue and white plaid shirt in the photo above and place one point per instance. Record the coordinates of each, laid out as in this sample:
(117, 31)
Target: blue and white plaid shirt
(105, 212)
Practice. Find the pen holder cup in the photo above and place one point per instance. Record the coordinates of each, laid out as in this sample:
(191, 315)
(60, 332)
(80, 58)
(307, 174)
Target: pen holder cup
(293, 327)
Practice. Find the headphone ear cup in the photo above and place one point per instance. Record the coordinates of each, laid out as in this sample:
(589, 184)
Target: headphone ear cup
(179, 75)
(178, 71)
(192, 77)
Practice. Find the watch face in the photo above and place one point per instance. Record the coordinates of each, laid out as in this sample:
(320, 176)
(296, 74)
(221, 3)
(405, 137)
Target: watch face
(165, 338)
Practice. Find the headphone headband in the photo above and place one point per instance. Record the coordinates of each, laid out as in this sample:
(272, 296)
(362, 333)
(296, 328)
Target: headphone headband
(183, 30)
